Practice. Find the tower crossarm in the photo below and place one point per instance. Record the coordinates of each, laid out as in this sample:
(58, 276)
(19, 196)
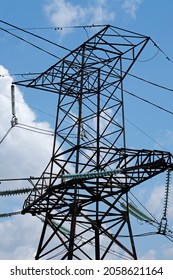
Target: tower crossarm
(104, 50)
(141, 165)
(133, 167)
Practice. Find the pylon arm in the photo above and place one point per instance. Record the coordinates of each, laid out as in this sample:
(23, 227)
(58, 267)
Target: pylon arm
(133, 168)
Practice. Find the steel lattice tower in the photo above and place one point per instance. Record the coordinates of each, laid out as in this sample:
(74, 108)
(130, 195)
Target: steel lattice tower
(91, 170)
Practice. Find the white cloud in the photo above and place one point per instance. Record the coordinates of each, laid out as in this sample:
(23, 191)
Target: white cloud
(156, 201)
(63, 13)
(150, 255)
(168, 252)
(20, 238)
(131, 7)
(23, 154)
(66, 13)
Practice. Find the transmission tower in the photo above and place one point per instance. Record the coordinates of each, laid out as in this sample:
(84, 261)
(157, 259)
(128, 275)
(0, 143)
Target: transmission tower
(91, 170)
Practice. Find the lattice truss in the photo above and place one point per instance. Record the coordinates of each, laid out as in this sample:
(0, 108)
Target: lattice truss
(83, 217)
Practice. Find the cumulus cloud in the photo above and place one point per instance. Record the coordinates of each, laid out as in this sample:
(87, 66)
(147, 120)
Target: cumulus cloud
(168, 252)
(19, 238)
(63, 13)
(156, 202)
(66, 13)
(150, 255)
(23, 154)
(131, 7)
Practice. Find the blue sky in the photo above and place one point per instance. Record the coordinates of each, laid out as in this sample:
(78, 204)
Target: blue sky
(146, 126)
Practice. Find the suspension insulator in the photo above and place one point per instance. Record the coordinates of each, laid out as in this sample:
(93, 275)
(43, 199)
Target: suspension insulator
(14, 120)
(163, 223)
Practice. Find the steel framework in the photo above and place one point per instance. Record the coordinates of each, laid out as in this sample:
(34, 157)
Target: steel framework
(91, 171)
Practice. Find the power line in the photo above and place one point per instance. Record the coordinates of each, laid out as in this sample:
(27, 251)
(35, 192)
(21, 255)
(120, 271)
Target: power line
(36, 109)
(6, 134)
(129, 74)
(20, 74)
(149, 102)
(111, 251)
(85, 27)
(29, 128)
(61, 27)
(146, 134)
(151, 58)
(147, 81)
(140, 203)
(51, 133)
(33, 34)
(150, 82)
(28, 42)
(35, 129)
(166, 56)
(31, 178)
(72, 27)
